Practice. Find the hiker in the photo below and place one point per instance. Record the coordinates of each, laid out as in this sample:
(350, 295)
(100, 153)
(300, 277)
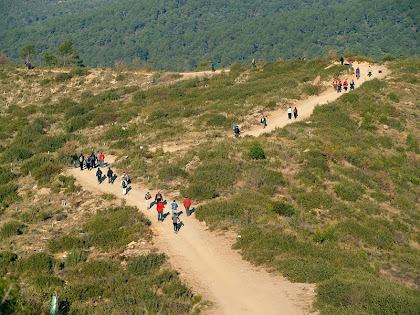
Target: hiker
(75, 158)
(158, 197)
(369, 72)
(81, 159)
(124, 176)
(295, 112)
(101, 159)
(93, 160)
(263, 121)
(212, 67)
(357, 73)
(339, 86)
(124, 185)
(99, 175)
(236, 131)
(342, 60)
(110, 175)
(351, 61)
(289, 112)
(345, 85)
(187, 205)
(88, 162)
(174, 207)
(175, 220)
(147, 196)
(159, 209)
(253, 62)
(335, 84)
(351, 85)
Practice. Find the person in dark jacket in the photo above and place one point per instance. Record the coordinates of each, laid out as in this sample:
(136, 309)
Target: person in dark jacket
(99, 175)
(110, 175)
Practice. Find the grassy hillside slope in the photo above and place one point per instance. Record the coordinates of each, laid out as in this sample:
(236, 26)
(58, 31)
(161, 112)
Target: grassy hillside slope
(178, 35)
(333, 200)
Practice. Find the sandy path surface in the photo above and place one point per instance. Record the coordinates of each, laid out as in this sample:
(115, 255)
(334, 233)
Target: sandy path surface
(279, 119)
(208, 264)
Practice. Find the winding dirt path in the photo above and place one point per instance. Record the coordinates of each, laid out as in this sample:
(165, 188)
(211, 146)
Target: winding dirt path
(208, 264)
(205, 260)
(279, 119)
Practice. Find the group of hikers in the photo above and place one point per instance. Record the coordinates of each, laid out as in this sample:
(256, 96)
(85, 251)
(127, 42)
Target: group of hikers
(89, 161)
(160, 205)
(339, 86)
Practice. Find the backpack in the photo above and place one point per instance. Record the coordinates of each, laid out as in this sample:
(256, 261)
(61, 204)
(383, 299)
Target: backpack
(124, 184)
(159, 196)
(81, 159)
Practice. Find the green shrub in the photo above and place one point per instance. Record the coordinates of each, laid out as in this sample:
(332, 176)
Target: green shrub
(51, 143)
(256, 151)
(388, 57)
(302, 269)
(75, 257)
(62, 77)
(283, 208)
(315, 199)
(120, 78)
(79, 71)
(11, 228)
(394, 97)
(350, 191)
(363, 293)
(412, 143)
(142, 265)
(36, 263)
(8, 194)
(310, 89)
(327, 235)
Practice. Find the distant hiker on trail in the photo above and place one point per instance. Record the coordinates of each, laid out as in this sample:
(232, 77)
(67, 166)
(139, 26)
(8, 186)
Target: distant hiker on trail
(174, 207)
(101, 159)
(236, 131)
(345, 85)
(147, 197)
(357, 73)
(75, 159)
(295, 112)
(253, 62)
(158, 197)
(81, 159)
(187, 205)
(289, 112)
(88, 162)
(124, 185)
(93, 160)
(263, 121)
(99, 175)
(110, 175)
(159, 209)
(351, 85)
(335, 84)
(369, 72)
(124, 176)
(339, 86)
(175, 221)
(342, 60)
(213, 67)
(351, 61)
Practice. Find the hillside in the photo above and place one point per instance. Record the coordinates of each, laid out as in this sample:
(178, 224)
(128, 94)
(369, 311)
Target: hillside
(332, 200)
(178, 35)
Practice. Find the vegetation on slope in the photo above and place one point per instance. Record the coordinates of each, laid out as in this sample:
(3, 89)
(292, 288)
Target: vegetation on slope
(178, 35)
(332, 201)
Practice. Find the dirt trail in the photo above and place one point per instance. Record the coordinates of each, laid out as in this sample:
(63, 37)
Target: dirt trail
(208, 264)
(279, 119)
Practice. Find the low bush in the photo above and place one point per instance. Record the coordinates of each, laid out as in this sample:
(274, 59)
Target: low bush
(328, 234)
(142, 265)
(36, 263)
(11, 228)
(283, 208)
(348, 190)
(315, 199)
(256, 151)
(79, 71)
(75, 257)
(394, 97)
(62, 77)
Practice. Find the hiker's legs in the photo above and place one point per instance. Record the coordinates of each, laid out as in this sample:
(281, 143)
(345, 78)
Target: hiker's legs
(175, 227)
(75, 163)
(187, 211)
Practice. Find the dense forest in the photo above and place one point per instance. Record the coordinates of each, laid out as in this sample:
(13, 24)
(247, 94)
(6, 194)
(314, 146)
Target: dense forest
(179, 34)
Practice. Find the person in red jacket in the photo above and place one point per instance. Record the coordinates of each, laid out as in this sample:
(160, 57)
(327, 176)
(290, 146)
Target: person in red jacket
(101, 159)
(159, 209)
(345, 85)
(187, 205)
(351, 61)
(335, 84)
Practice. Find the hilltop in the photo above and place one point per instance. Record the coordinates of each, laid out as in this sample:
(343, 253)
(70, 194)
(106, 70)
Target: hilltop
(331, 200)
(178, 35)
